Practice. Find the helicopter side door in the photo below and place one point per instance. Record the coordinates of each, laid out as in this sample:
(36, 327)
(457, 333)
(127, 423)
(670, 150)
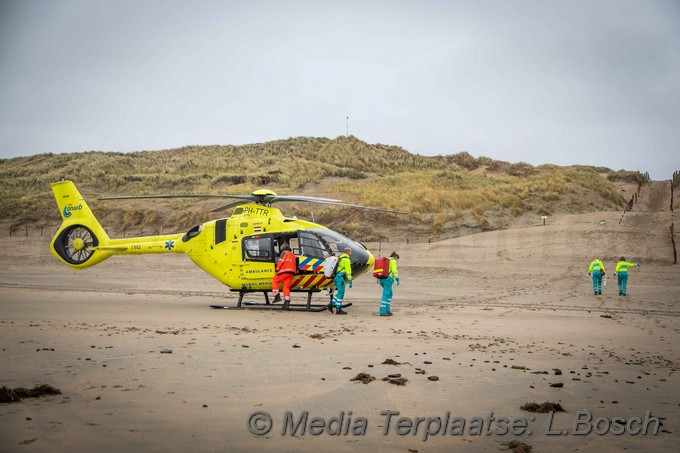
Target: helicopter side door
(261, 251)
(260, 255)
(311, 258)
(257, 269)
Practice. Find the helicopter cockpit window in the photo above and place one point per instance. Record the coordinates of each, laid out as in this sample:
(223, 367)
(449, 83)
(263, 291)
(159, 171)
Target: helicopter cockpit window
(311, 246)
(258, 248)
(337, 243)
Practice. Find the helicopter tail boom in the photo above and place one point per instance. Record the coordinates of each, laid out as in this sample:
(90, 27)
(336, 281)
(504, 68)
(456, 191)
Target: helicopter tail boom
(82, 242)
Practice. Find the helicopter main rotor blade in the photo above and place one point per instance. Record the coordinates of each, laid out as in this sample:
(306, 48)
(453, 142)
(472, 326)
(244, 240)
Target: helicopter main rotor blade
(331, 201)
(230, 205)
(303, 198)
(138, 197)
(267, 198)
(370, 208)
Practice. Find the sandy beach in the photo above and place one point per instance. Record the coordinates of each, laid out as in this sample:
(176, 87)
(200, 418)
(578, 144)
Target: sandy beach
(143, 363)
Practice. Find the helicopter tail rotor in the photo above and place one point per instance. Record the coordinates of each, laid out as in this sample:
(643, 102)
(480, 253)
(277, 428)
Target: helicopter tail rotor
(80, 233)
(74, 244)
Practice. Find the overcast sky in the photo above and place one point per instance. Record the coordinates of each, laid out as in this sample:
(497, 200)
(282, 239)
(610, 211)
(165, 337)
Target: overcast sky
(593, 82)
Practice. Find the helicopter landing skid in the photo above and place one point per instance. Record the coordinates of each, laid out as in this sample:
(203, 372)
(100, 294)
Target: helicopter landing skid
(292, 307)
(278, 306)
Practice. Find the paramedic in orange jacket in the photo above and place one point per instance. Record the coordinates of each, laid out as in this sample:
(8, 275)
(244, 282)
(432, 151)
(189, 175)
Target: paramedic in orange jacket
(286, 267)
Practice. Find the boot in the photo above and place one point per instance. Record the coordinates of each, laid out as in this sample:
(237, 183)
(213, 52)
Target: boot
(277, 298)
(340, 311)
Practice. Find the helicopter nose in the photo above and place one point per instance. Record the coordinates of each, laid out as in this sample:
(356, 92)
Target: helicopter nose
(364, 264)
(371, 259)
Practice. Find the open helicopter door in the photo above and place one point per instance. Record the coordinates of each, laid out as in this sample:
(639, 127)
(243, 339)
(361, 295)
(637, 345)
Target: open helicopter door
(260, 253)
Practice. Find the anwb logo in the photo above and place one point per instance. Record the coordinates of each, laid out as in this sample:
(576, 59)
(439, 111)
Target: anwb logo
(68, 210)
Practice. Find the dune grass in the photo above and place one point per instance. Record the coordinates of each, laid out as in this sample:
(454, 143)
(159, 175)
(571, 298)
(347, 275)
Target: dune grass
(435, 191)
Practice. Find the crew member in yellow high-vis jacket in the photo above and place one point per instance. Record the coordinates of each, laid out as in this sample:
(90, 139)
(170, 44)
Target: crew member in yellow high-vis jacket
(621, 273)
(387, 283)
(596, 270)
(342, 275)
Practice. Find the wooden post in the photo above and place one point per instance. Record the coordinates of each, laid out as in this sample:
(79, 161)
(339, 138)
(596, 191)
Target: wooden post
(675, 252)
(672, 193)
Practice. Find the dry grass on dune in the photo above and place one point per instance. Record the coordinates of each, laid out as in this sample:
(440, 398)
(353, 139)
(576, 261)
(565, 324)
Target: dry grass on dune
(434, 191)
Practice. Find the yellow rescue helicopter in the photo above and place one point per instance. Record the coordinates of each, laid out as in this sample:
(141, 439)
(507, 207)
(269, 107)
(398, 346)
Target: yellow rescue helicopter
(239, 251)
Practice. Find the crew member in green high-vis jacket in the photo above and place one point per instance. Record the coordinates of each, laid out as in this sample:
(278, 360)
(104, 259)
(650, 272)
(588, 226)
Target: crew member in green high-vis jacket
(596, 270)
(342, 275)
(387, 283)
(621, 273)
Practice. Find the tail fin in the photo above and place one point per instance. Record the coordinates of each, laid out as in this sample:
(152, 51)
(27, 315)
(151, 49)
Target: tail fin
(80, 233)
